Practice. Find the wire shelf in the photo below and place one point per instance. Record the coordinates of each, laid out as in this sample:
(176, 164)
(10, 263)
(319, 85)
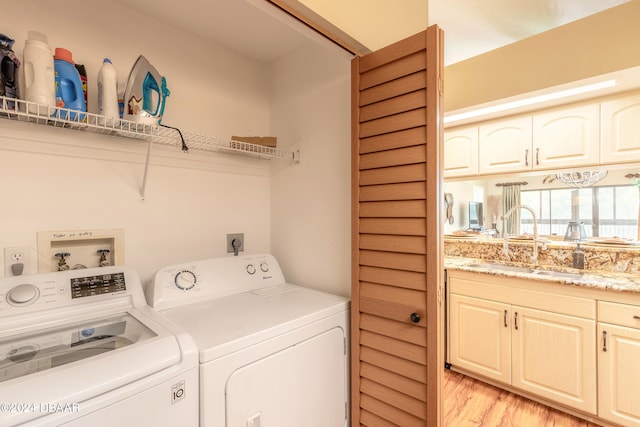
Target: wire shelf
(25, 111)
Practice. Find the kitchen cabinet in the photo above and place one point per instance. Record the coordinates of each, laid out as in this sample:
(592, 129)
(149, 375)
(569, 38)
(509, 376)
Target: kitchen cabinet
(553, 139)
(461, 152)
(540, 343)
(505, 145)
(619, 363)
(565, 137)
(620, 127)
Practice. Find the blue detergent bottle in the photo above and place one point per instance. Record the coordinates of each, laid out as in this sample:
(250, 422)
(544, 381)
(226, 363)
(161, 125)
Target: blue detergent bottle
(69, 92)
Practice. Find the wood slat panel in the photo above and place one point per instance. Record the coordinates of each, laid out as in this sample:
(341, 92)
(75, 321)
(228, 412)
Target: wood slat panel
(400, 366)
(368, 419)
(394, 209)
(404, 191)
(393, 175)
(393, 303)
(404, 350)
(394, 70)
(401, 86)
(391, 328)
(398, 278)
(390, 141)
(397, 122)
(399, 157)
(392, 380)
(401, 401)
(387, 412)
(398, 226)
(393, 52)
(397, 105)
(407, 262)
(390, 243)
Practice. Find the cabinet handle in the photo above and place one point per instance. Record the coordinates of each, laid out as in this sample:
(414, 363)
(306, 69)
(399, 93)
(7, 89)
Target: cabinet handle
(604, 341)
(515, 320)
(636, 317)
(537, 156)
(415, 317)
(505, 318)
(526, 157)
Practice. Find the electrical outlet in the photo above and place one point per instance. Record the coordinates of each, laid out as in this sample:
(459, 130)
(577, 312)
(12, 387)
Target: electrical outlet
(15, 256)
(236, 239)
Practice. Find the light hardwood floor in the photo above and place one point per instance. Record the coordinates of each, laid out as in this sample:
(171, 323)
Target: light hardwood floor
(468, 402)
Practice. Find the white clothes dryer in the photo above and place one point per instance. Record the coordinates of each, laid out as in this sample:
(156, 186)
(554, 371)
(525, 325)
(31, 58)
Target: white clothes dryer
(272, 354)
(82, 348)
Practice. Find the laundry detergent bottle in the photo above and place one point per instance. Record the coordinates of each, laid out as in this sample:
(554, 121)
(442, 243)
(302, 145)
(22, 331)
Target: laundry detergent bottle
(39, 87)
(69, 93)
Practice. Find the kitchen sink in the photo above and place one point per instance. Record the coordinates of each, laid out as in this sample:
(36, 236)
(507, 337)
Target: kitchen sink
(561, 274)
(503, 267)
(517, 269)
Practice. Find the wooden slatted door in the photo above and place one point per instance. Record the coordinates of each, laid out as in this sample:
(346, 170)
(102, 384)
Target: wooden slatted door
(397, 353)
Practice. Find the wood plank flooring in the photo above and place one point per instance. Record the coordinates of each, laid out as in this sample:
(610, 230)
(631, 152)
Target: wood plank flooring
(468, 402)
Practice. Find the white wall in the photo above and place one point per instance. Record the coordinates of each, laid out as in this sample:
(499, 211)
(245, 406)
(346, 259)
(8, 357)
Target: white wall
(57, 179)
(310, 211)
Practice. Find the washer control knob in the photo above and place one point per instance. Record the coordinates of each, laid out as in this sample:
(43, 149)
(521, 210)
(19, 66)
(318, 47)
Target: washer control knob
(251, 269)
(23, 295)
(185, 280)
(264, 267)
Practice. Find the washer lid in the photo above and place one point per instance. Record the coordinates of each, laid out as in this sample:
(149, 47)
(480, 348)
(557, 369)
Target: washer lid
(72, 363)
(224, 325)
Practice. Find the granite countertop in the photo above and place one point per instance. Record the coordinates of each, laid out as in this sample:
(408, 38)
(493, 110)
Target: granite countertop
(605, 280)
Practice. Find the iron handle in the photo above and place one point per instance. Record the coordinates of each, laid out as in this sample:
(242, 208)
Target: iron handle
(515, 320)
(537, 156)
(604, 341)
(415, 317)
(526, 157)
(505, 319)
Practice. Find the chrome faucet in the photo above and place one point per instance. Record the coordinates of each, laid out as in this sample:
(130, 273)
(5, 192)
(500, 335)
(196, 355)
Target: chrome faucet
(536, 239)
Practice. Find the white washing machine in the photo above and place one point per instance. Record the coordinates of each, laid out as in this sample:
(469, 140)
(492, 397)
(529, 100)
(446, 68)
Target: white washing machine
(272, 354)
(82, 348)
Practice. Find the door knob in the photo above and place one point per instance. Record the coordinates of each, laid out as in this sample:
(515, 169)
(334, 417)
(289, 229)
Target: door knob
(415, 317)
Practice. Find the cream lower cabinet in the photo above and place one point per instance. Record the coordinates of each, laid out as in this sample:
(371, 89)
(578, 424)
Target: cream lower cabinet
(619, 363)
(540, 343)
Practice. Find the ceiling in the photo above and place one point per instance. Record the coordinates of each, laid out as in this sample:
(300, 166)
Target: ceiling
(471, 27)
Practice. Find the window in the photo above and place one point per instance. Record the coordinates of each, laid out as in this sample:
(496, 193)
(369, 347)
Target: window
(605, 211)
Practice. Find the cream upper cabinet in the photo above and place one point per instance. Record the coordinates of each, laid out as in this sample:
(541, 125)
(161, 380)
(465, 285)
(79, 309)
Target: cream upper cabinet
(505, 145)
(480, 337)
(461, 152)
(566, 137)
(620, 130)
(554, 356)
(619, 363)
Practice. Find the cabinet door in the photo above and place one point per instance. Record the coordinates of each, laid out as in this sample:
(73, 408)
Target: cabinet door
(620, 122)
(505, 146)
(566, 137)
(554, 356)
(461, 152)
(480, 337)
(619, 374)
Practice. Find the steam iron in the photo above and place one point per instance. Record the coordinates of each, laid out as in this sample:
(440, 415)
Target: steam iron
(145, 94)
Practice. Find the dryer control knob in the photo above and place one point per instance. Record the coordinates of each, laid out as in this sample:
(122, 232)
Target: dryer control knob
(23, 295)
(251, 269)
(264, 267)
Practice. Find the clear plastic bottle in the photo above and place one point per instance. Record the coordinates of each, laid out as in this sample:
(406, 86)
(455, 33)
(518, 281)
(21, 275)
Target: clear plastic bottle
(38, 84)
(108, 92)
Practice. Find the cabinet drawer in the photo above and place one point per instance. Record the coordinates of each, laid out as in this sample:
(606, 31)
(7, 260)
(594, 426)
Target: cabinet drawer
(619, 314)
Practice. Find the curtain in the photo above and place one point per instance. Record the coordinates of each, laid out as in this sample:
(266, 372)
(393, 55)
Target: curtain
(511, 198)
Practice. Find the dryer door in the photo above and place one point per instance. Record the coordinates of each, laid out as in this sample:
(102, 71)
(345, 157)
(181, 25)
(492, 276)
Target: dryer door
(302, 385)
